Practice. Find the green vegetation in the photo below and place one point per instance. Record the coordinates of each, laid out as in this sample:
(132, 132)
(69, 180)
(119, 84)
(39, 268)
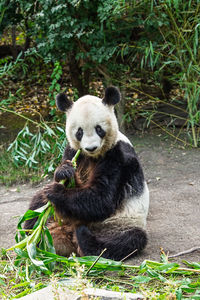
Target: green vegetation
(38, 151)
(34, 256)
(11, 174)
(150, 49)
(155, 280)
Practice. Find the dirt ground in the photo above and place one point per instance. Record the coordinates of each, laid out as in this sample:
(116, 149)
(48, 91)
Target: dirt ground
(173, 176)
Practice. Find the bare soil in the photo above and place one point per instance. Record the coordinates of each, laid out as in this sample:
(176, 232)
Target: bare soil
(173, 176)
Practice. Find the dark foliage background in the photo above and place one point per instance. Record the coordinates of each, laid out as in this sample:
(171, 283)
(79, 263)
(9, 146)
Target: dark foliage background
(148, 48)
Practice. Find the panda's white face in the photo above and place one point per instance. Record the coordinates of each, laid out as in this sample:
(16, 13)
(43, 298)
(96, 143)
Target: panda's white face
(91, 126)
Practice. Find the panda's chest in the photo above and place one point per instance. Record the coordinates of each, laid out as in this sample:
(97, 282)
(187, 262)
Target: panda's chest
(86, 170)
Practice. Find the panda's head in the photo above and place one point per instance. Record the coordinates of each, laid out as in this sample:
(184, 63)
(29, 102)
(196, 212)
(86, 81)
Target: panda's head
(91, 122)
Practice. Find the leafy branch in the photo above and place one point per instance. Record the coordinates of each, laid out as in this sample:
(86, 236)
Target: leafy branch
(40, 238)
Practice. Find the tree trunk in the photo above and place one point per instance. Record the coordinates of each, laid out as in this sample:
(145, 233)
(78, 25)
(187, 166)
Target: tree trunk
(14, 48)
(79, 77)
(27, 40)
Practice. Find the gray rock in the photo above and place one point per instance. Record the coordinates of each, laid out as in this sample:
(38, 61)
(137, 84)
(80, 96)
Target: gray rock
(63, 293)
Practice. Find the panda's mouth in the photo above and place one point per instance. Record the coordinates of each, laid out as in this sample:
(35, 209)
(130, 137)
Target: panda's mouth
(93, 151)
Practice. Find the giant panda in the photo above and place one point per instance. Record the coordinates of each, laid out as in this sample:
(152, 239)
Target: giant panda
(108, 207)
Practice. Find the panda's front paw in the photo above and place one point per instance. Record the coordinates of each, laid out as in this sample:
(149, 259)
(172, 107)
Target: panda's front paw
(55, 192)
(64, 172)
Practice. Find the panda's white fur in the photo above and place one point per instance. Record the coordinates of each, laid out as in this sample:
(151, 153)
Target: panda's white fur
(109, 205)
(133, 212)
(135, 208)
(87, 112)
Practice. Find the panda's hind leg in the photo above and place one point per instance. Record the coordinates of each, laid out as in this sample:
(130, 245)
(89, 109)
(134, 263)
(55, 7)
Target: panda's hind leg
(119, 245)
(64, 239)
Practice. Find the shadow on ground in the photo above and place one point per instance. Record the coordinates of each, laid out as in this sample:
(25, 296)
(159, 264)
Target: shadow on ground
(173, 176)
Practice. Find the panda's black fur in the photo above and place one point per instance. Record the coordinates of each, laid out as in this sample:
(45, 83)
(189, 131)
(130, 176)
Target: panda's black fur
(94, 212)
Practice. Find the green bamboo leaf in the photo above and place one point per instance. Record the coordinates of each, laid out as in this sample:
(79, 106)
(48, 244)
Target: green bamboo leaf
(49, 130)
(192, 265)
(143, 266)
(179, 294)
(102, 263)
(22, 284)
(24, 293)
(31, 249)
(141, 279)
(20, 244)
(21, 253)
(168, 268)
(29, 214)
(35, 235)
(49, 241)
(151, 48)
(60, 129)
(43, 208)
(154, 274)
(42, 244)
(153, 264)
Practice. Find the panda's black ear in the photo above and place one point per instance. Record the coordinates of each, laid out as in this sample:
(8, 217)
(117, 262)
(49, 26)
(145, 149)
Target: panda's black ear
(62, 102)
(112, 96)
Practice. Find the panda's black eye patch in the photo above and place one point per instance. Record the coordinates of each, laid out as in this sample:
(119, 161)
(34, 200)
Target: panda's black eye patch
(100, 131)
(79, 134)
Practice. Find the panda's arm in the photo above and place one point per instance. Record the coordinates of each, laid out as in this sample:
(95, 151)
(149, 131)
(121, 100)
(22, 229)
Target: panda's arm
(101, 198)
(95, 202)
(65, 170)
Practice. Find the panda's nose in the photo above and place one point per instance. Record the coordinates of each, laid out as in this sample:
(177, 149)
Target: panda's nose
(92, 149)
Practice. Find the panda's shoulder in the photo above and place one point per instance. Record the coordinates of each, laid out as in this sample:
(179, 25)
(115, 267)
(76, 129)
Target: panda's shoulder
(124, 144)
(123, 138)
(123, 150)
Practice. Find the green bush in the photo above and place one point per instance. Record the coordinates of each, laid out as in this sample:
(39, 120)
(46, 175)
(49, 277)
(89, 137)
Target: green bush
(128, 43)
